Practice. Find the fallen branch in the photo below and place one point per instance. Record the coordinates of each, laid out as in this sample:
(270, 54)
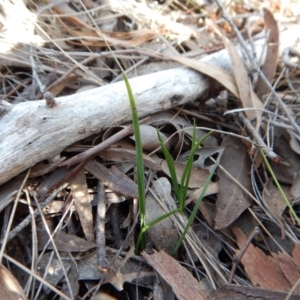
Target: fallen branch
(34, 131)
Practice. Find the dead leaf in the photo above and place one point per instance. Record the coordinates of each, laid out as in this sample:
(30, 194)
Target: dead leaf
(51, 180)
(55, 272)
(10, 287)
(289, 268)
(83, 204)
(296, 255)
(232, 200)
(113, 178)
(236, 292)
(184, 285)
(274, 200)
(63, 83)
(125, 155)
(149, 138)
(164, 234)
(242, 79)
(43, 168)
(8, 192)
(64, 242)
(295, 189)
(262, 270)
(198, 177)
(269, 66)
(217, 73)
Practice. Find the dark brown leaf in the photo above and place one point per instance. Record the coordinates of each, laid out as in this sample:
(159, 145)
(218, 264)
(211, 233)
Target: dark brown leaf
(113, 178)
(65, 242)
(232, 200)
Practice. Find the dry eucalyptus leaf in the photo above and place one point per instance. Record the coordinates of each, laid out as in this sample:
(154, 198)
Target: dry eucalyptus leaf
(184, 285)
(209, 240)
(55, 271)
(269, 66)
(262, 270)
(113, 178)
(232, 200)
(8, 192)
(219, 74)
(295, 189)
(198, 176)
(162, 289)
(125, 155)
(163, 234)
(10, 287)
(65, 242)
(167, 118)
(274, 200)
(242, 80)
(235, 292)
(83, 204)
(294, 143)
(130, 270)
(289, 268)
(149, 138)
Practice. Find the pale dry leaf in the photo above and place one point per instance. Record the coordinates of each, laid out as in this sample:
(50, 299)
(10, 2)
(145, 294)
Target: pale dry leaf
(274, 200)
(294, 143)
(83, 204)
(262, 270)
(269, 66)
(149, 138)
(295, 189)
(242, 79)
(167, 118)
(164, 234)
(184, 285)
(103, 296)
(119, 279)
(231, 199)
(217, 73)
(10, 287)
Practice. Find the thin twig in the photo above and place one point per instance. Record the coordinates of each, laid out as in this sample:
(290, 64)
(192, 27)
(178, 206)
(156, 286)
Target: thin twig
(238, 258)
(90, 153)
(258, 139)
(103, 263)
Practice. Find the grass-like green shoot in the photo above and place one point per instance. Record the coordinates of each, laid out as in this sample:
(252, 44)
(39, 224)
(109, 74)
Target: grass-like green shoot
(180, 190)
